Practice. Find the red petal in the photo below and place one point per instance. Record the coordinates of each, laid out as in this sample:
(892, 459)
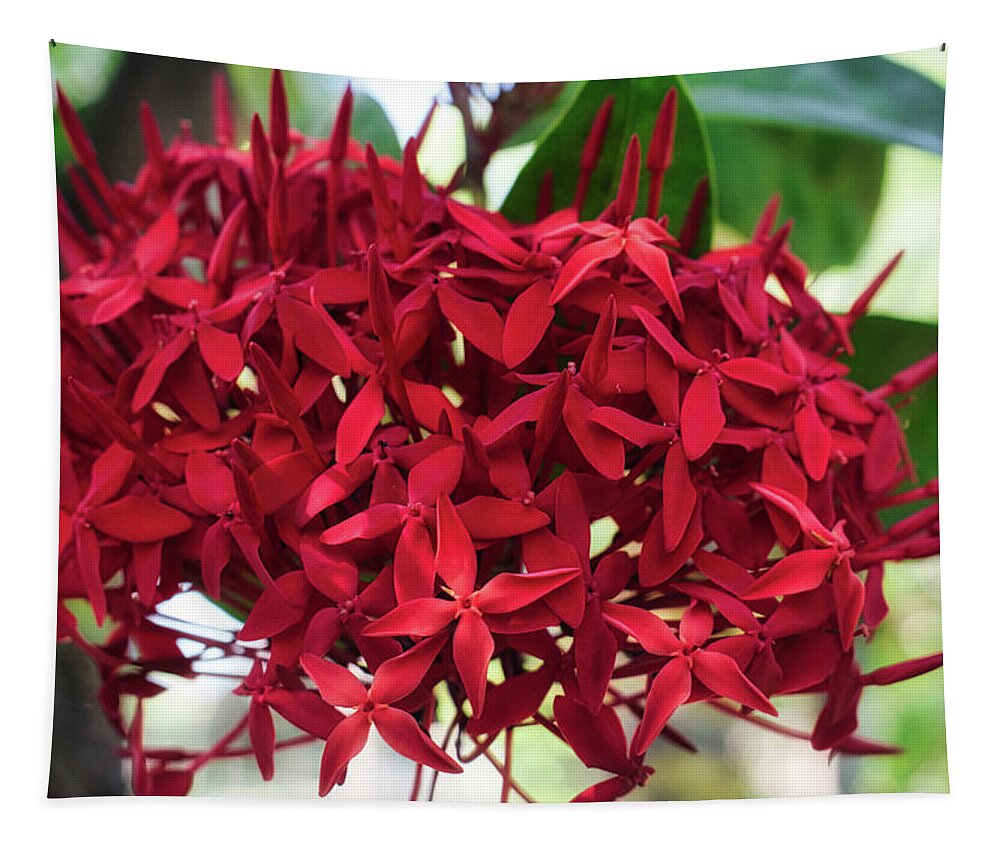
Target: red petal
(701, 416)
(511, 591)
(399, 676)
(656, 564)
(670, 689)
(413, 570)
(372, 523)
(663, 384)
(425, 616)
(884, 453)
(152, 376)
(799, 510)
(697, 624)
(628, 186)
(839, 717)
(682, 358)
(653, 263)
(645, 627)
(402, 733)
(345, 743)
(334, 577)
(780, 471)
(455, 561)
(849, 594)
(490, 518)
(612, 575)
(194, 391)
(472, 648)
(595, 359)
(323, 632)
(221, 351)
(597, 739)
(844, 401)
(602, 449)
(436, 475)
(273, 612)
(724, 572)
(147, 563)
(525, 409)
(679, 496)
(88, 562)
(337, 685)
(284, 402)
(216, 551)
(737, 613)
(306, 710)
(108, 474)
(221, 260)
(380, 299)
(801, 613)
(583, 261)
(594, 651)
(478, 321)
(634, 430)
(904, 670)
(511, 702)
(278, 118)
(139, 519)
(814, 440)
(487, 232)
(210, 482)
(527, 321)
(336, 484)
(605, 791)
(282, 479)
(798, 572)
(358, 422)
(155, 248)
(572, 519)
(759, 373)
(261, 726)
(722, 675)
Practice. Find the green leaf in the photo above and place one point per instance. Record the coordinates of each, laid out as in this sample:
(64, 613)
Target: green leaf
(637, 102)
(84, 73)
(548, 117)
(817, 133)
(313, 100)
(883, 347)
(369, 123)
(829, 185)
(868, 98)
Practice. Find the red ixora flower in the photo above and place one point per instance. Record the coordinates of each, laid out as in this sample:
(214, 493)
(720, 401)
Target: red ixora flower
(265, 402)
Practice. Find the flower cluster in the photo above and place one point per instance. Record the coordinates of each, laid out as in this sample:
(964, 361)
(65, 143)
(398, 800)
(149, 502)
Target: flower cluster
(379, 426)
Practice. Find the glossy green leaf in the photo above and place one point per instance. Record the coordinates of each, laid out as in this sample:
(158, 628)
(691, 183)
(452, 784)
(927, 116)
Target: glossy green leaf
(369, 123)
(869, 98)
(637, 102)
(546, 118)
(830, 186)
(817, 133)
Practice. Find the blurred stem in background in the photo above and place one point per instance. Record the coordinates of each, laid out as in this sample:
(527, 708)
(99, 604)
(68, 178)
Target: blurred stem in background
(492, 118)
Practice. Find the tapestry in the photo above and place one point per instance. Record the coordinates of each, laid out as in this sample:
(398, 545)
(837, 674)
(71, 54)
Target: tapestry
(537, 441)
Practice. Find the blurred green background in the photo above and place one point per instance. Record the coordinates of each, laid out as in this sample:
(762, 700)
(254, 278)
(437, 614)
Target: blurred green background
(862, 183)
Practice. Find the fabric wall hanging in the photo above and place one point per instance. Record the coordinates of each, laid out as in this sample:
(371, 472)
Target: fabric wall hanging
(498, 442)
